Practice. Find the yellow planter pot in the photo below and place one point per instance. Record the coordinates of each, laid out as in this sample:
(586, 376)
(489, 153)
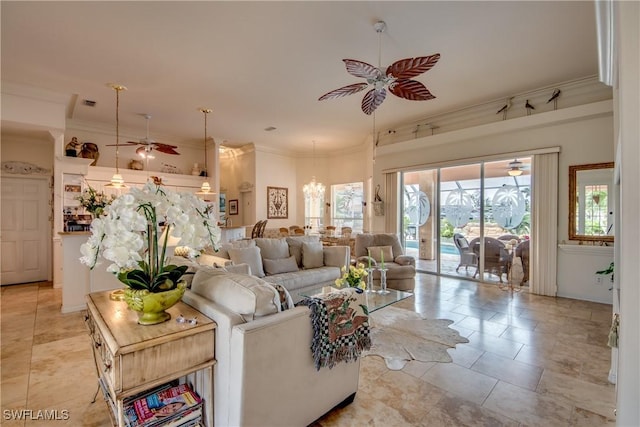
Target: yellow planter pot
(151, 306)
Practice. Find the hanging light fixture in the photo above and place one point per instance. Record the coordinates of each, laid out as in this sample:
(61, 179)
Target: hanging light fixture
(205, 188)
(515, 168)
(116, 180)
(314, 190)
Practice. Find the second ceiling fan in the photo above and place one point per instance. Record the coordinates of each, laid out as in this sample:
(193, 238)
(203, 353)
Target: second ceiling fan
(147, 145)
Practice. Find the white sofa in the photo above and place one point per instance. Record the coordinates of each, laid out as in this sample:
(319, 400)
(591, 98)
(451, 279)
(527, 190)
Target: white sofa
(265, 373)
(297, 263)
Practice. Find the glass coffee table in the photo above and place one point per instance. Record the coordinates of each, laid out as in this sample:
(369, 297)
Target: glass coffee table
(375, 300)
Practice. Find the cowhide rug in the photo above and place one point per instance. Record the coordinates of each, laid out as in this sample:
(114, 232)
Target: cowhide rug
(400, 335)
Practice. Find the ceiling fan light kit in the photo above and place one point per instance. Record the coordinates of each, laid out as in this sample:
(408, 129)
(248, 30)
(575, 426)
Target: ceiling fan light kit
(515, 168)
(397, 78)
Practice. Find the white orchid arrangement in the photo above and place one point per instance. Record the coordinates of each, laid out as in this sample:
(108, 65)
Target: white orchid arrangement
(128, 233)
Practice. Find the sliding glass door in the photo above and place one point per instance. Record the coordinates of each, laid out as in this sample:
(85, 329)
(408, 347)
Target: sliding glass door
(468, 220)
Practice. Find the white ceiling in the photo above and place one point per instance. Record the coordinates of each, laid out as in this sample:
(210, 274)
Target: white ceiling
(260, 64)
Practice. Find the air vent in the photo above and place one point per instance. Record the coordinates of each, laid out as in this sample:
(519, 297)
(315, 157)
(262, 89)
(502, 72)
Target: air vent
(89, 103)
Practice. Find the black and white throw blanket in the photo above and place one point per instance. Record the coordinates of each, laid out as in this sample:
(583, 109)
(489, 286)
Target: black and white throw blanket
(340, 328)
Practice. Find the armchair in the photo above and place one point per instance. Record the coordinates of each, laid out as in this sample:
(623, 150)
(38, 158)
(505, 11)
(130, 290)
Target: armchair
(401, 268)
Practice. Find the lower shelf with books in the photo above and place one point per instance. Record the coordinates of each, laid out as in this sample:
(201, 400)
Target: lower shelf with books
(169, 405)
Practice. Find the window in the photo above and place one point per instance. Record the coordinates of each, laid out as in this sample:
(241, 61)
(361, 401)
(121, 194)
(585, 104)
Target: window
(346, 205)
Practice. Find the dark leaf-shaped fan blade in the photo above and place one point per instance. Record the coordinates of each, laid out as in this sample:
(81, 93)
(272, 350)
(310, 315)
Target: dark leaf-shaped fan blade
(361, 69)
(372, 100)
(344, 91)
(411, 67)
(410, 89)
(165, 148)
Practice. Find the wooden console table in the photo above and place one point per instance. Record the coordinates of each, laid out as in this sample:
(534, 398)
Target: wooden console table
(131, 358)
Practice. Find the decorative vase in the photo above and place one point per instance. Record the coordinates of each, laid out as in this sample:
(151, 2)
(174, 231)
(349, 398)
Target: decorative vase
(370, 279)
(383, 281)
(151, 306)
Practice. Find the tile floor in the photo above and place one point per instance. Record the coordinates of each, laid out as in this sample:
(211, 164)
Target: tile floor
(530, 361)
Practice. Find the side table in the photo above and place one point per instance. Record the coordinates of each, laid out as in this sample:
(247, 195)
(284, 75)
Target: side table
(132, 358)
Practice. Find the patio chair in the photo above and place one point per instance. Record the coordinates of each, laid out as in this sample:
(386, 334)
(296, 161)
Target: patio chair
(467, 256)
(522, 251)
(497, 260)
(508, 237)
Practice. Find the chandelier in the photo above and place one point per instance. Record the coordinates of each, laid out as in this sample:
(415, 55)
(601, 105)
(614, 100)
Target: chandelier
(314, 189)
(116, 180)
(205, 188)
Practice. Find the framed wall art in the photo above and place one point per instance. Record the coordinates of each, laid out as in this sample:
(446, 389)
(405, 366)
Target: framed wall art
(277, 203)
(233, 207)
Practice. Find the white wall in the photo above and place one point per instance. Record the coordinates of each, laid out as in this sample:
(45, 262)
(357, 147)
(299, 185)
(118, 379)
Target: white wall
(238, 166)
(38, 150)
(576, 280)
(276, 170)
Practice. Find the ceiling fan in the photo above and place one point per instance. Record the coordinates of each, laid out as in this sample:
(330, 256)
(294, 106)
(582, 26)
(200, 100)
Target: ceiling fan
(147, 145)
(397, 78)
(516, 167)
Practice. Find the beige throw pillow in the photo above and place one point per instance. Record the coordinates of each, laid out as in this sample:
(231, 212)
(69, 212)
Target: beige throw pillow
(295, 246)
(282, 265)
(273, 248)
(312, 255)
(377, 252)
(249, 256)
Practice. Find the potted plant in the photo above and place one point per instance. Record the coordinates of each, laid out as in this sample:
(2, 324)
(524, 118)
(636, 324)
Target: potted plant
(93, 201)
(133, 234)
(353, 276)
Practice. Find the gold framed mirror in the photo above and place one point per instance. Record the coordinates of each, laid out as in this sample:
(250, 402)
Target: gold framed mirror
(590, 202)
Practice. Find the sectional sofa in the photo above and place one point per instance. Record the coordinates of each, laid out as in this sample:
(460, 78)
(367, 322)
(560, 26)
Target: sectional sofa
(298, 263)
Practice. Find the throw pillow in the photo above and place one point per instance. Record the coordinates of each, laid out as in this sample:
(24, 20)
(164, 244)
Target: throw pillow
(282, 265)
(272, 248)
(223, 252)
(377, 252)
(295, 246)
(312, 255)
(249, 256)
(286, 302)
(246, 295)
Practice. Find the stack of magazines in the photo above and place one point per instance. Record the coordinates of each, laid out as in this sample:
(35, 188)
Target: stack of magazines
(170, 405)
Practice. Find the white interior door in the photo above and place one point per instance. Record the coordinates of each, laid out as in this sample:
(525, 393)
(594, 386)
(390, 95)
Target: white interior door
(25, 239)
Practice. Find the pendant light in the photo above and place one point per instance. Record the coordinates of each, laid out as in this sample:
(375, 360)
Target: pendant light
(314, 190)
(205, 188)
(116, 180)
